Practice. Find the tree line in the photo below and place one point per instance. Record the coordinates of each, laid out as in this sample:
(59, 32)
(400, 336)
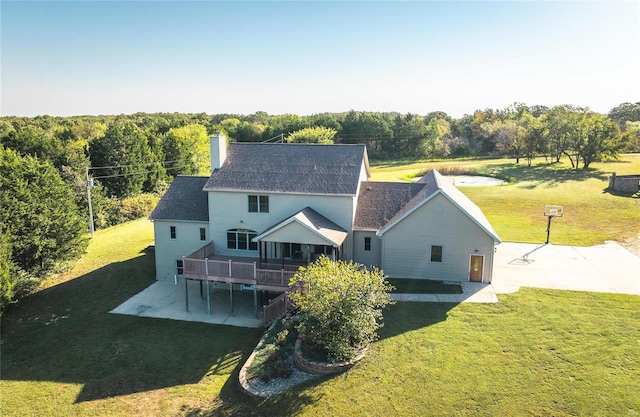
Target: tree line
(45, 161)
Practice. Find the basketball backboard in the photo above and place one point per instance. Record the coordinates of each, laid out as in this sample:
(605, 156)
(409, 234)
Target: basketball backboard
(553, 211)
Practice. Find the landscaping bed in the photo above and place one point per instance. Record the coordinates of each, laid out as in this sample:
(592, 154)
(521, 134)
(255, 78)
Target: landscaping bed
(271, 369)
(423, 286)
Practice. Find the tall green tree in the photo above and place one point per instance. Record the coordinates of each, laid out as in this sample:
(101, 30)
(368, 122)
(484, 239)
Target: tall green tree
(186, 150)
(625, 112)
(437, 130)
(410, 135)
(561, 128)
(312, 135)
(124, 153)
(6, 282)
(372, 129)
(602, 139)
(42, 221)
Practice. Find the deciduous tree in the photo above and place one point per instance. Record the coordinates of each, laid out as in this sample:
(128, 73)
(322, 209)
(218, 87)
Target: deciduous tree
(312, 135)
(124, 147)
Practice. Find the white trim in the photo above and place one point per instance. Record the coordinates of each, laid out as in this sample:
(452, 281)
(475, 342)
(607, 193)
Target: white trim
(288, 222)
(495, 238)
(483, 259)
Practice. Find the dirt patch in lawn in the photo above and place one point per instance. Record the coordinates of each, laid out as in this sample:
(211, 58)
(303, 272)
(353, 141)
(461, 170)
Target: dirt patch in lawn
(632, 244)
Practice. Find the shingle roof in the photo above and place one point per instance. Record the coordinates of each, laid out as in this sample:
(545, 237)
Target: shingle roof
(294, 168)
(315, 222)
(382, 205)
(378, 202)
(184, 200)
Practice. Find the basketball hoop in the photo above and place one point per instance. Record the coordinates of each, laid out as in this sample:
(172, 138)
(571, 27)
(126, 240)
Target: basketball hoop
(551, 211)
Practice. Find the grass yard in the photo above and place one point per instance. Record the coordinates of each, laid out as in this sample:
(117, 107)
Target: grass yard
(537, 352)
(63, 354)
(592, 215)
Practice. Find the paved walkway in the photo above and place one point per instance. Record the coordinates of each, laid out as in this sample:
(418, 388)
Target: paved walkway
(472, 292)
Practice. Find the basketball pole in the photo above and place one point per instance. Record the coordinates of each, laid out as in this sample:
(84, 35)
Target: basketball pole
(548, 229)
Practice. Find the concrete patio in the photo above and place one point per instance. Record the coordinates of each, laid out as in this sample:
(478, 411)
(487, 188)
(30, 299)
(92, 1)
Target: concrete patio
(166, 300)
(602, 268)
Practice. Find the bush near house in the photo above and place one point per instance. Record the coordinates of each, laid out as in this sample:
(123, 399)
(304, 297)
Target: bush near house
(341, 305)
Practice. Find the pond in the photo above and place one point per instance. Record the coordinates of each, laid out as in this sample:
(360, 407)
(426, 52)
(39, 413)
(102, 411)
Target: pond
(474, 180)
(471, 180)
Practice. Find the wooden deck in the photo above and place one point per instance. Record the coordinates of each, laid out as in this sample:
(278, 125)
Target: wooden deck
(202, 265)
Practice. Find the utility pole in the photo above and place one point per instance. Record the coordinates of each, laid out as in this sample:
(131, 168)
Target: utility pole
(89, 185)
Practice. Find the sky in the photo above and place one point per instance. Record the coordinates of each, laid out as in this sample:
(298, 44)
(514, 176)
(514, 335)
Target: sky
(91, 58)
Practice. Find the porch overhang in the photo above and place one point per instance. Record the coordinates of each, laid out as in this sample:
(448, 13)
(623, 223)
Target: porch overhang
(307, 227)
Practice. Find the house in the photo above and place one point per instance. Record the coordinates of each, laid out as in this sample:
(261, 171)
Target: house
(267, 208)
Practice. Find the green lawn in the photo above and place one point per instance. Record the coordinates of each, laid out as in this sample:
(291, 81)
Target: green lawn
(592, 215)
(537, 352)
(63, 354)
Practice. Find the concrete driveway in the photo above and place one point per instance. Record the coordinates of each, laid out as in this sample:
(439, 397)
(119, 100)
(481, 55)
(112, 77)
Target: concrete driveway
(603, 268)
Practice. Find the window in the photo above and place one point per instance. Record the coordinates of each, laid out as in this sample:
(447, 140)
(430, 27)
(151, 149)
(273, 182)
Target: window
(367, 244)
(258, 204)
(179, 266)
(436, 253)
(172, 231)
(240, 239)
(203, 233)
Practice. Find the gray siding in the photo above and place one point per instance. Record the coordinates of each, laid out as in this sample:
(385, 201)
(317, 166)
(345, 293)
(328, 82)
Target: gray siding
(229, 210)
(361, 256)
(406, 248)
(168, 250)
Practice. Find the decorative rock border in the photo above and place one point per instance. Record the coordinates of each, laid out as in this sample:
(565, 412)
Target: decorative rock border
(243, 384)
(321, 368)
(314, 368)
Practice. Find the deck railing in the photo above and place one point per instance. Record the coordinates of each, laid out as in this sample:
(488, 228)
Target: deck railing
(202, 253)
(198, 266)
(280, 305)
(276, 278)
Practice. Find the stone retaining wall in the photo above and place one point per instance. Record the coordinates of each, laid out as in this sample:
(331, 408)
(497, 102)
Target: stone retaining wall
(243, 384)
(624, 183)
(321, 368)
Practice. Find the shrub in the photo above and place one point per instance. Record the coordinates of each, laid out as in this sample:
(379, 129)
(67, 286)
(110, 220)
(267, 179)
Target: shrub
(341, 305)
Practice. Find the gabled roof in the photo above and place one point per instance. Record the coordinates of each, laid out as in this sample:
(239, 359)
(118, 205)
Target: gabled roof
(313, 221)
(184, 200)
(290, 168)
(433, 183)
(378, 202)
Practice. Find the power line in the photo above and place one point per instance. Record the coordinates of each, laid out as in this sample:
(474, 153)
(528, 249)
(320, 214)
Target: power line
(136, 165)
(137, 173)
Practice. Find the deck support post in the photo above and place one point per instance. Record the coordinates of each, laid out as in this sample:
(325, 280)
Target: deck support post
(186, 294)
(201, 291)
(208, 298)
(231, 296)
(255, 301)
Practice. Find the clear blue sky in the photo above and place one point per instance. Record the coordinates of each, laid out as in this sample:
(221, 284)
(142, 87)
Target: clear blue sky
(77, 58)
